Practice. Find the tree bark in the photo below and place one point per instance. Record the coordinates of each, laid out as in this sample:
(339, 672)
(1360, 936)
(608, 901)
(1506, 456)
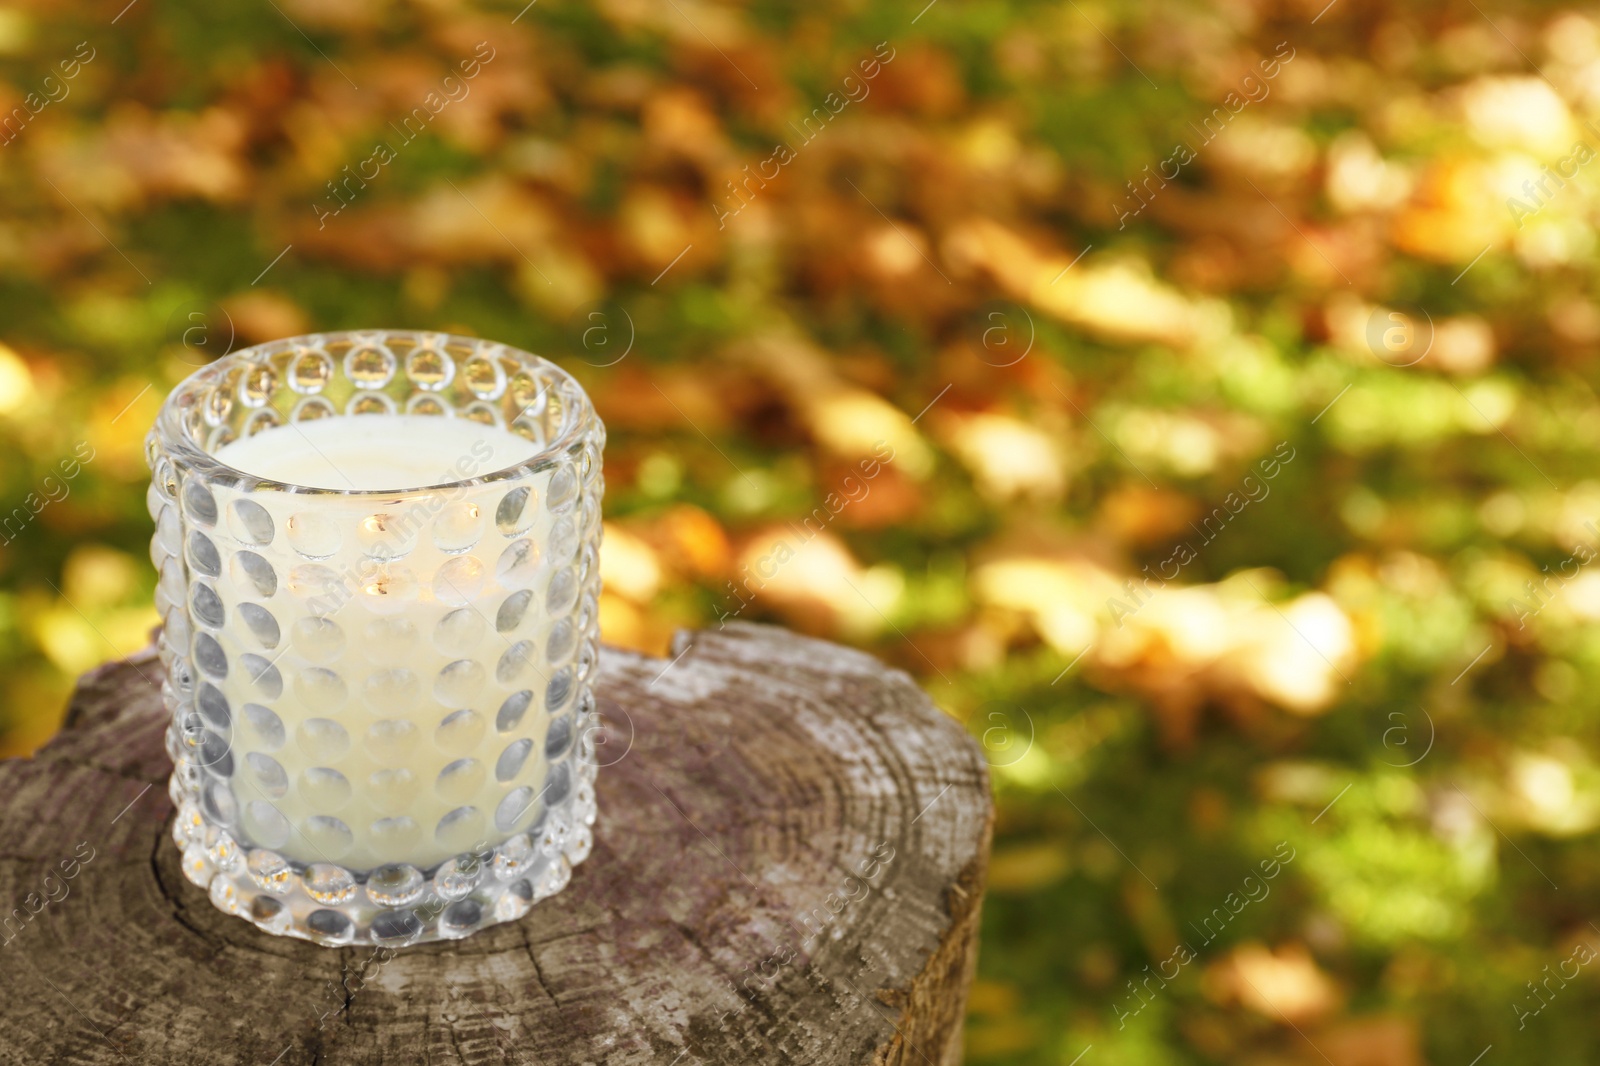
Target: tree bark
(788, 867)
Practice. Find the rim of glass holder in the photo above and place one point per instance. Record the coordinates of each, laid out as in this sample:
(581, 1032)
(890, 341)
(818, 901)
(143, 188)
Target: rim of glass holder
(182, 448)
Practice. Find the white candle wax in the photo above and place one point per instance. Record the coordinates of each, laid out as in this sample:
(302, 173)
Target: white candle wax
(371, 452)
(388, 662)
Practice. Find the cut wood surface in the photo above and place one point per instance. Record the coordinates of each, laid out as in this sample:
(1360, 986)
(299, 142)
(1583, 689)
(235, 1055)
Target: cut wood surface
(788, 867)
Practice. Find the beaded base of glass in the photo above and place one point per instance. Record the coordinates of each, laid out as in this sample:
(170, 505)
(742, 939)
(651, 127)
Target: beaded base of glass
(397, 904)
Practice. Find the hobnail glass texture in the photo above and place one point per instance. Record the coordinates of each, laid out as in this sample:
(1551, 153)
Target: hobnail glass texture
(382, 707)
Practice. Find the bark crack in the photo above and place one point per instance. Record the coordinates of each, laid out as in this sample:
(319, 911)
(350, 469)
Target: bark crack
(538, 971)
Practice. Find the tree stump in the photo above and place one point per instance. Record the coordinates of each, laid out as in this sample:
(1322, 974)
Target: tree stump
(788, 867)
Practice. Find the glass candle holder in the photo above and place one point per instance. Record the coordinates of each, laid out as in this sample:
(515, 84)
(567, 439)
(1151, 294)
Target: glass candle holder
(379, 579)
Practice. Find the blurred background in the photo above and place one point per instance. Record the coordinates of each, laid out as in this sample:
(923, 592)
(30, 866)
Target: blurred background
(1225, 372)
